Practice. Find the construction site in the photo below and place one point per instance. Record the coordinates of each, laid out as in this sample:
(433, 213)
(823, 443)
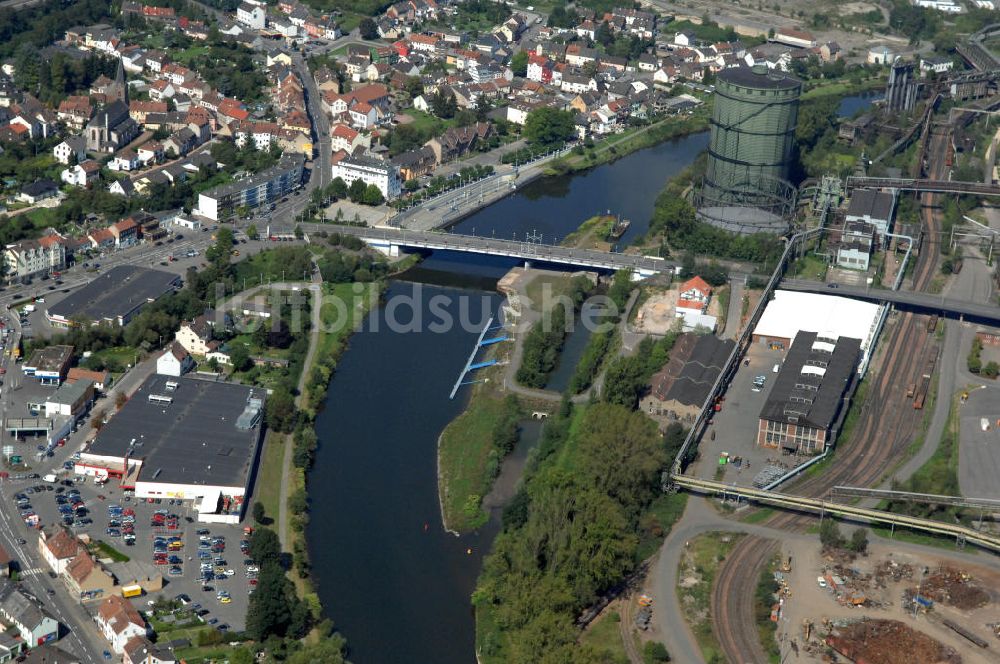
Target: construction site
(892, 606)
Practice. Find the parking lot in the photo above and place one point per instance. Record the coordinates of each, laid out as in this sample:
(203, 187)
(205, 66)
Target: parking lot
(200, 563)
(734, 426)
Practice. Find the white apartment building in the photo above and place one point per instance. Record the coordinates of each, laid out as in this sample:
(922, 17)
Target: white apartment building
(382, 174)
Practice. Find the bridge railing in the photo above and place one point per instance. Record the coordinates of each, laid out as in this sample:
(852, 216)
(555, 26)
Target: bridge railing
(818, 506)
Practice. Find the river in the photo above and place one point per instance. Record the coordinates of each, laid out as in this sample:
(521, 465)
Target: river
(395, 583)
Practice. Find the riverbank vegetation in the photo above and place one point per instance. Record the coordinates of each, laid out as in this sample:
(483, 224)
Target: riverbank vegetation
(543, 343)
(575, 529)
(597, 352)
(594, 153)
(471, 450)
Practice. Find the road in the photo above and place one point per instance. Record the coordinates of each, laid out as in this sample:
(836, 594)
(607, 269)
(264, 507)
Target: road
(528, 251)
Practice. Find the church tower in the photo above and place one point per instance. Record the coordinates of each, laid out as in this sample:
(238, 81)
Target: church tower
(118, 91)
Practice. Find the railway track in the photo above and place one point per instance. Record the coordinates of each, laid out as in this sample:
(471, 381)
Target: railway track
(883, 432)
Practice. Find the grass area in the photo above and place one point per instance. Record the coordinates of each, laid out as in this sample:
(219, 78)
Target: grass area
(632, 140)
(810, 266)
(722, 295)
(840, 87)
(187, 55)
(604, 635)
(914, 537)
(545, 288)
(114, 359)
(594, 229)
(105, 550)
(662, 514)
(468, 461)
(939, 475)
(268, 491)
(426, 122)
(759, 515)
(344, 307)
(695, 579)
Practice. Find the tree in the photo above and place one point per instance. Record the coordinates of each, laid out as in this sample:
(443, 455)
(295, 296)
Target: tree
(239, 356)
(829, 534)
(443, 104)
(265, 547)
(373, 195)
(991, 369)
(859, 541)
(414, 86)
(258, 512)
(357, 191)
(269, 612)
(519, 64)
(622, 451)
(549, 126)
(654, 652)
(252, 232)
(368, 29)
(338, 188)
(482, 108)
(280, 410)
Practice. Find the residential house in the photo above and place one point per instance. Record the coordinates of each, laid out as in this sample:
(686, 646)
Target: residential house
(86, 579)
(125, 232)
(138, 110)
(195, 336)
(694, 293)
(83, 174)
(343, 137)
(101, 239)
(58, 548)
(36, 191)
(252, 14)
(140, 650)
(119, 621)
(161, 89)
(100, 379)
(458, 141)
(75, 111)
(150, 153)
(32, 622)
(415, 163)
(72, 148)
(126, 160)
(122, 187)
(175, 361)
(28, 258)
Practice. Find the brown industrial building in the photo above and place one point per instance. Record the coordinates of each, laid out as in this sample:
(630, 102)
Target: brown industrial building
(679, 389)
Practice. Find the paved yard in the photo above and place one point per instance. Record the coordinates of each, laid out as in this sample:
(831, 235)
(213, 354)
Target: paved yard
(979, 454)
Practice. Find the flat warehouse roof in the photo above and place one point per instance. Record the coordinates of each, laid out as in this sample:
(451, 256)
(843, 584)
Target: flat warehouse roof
(116, 293)
(829, 316)
(184, 435)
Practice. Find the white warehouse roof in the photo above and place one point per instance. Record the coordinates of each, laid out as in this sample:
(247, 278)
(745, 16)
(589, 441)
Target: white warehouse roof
(829, 316)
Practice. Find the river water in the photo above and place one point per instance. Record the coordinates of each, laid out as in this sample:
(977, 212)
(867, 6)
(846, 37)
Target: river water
(396, 584)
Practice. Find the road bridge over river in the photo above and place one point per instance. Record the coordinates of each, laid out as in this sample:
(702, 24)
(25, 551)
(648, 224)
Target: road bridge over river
(391, 240)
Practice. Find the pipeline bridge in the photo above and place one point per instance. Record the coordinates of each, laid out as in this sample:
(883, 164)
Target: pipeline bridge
(962, 534)
(924, 301)
(931, 186)
(391, 240)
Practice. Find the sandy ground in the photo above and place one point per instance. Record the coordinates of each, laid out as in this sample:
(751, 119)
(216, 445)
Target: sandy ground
(807, 600)
(352, 212)
(656, 315)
